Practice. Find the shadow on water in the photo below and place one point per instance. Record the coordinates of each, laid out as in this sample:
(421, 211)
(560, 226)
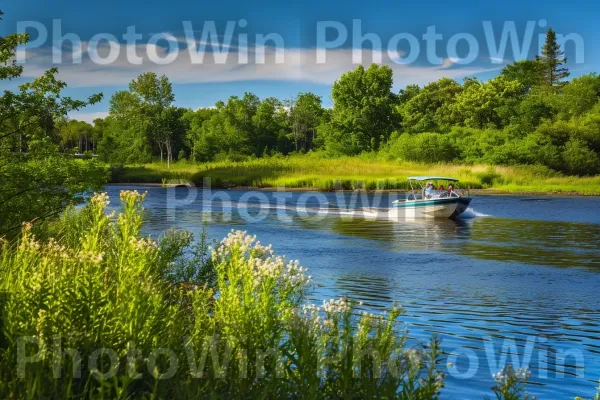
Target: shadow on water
(559, 244)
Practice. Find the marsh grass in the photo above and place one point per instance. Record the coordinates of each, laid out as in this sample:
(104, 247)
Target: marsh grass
(179, 321)
(360, 172)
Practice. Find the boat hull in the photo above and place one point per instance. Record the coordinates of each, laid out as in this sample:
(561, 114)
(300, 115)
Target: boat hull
(430, 208)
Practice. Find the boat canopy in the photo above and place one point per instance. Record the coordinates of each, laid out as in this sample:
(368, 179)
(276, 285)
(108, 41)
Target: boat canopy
(431, 178)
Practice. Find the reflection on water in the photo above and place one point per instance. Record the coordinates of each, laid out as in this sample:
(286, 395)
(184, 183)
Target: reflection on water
(481, 283)
(561, 244)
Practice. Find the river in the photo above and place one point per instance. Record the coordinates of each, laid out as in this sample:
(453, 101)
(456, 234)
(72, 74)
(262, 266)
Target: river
(515, 278)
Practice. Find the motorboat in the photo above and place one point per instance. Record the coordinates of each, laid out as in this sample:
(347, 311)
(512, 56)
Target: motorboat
(423, 200)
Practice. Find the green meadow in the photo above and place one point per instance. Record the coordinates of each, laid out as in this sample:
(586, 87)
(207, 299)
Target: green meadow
(358, 172)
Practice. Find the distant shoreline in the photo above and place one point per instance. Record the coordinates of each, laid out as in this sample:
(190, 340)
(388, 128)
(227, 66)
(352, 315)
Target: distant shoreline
(478, 192)
(305, 173)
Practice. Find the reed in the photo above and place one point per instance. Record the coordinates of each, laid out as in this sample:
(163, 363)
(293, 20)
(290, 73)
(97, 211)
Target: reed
(361, 172)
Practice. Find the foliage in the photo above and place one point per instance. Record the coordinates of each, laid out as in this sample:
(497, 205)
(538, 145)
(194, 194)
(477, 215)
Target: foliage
(141, 119)
(527, 115)
(429, 110)
(552, 59)
(489, 104)
(579, 159)
(363, 112)
(245, 332)
(529, 73)
(511, 384)
(38, 180)
(305, 115)
(373, 171)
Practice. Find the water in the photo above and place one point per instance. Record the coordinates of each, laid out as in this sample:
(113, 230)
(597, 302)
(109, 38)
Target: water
(518, 272)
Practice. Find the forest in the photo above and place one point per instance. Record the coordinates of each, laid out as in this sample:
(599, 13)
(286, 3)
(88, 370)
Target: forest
(529, 114)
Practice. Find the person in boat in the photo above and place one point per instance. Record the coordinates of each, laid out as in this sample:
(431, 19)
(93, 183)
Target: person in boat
(429, 190)
(442, 191)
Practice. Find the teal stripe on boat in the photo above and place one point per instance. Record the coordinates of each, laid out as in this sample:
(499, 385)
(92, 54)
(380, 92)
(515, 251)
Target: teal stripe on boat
(426, 203)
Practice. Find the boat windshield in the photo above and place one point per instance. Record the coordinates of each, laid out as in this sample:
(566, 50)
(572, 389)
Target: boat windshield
(433, 187)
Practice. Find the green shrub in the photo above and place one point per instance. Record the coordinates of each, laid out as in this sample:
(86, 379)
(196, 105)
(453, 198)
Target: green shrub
(579, 159)
(489, 176)
(236, 320)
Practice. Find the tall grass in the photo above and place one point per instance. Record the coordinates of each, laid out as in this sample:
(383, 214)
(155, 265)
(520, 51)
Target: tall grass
(90, 309)
(360, 172)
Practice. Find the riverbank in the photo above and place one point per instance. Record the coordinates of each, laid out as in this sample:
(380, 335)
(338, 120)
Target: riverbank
(477, 192)
(354, 173)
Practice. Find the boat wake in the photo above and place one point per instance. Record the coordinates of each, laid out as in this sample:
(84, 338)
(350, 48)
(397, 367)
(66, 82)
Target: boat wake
(470, 213)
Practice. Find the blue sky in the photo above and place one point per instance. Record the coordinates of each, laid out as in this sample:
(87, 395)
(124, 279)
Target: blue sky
(200, 85)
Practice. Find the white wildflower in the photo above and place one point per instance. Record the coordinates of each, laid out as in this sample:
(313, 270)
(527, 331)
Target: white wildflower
(100, 199)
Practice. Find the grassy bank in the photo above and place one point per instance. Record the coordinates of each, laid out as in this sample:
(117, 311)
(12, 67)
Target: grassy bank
(356, 173)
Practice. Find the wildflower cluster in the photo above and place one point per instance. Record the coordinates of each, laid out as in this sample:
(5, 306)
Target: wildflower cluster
(143, 244)
(91, 257)
(130, 196)
(511, 383)
(507, 373)
(339, 306)
(322, 317)
(28, 241)
(100, 200)
(262, 262)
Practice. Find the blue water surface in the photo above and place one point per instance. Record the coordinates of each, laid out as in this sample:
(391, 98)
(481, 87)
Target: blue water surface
(516, 280)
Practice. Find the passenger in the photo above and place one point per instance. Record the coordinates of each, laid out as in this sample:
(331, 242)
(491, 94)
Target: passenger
(442, 191)
(429, 190)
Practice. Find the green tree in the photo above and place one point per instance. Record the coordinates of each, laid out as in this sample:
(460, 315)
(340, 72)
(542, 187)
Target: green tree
(154, 97)
(194, 121)
(552, 59)
(143, 118)
(431, 108)
(579, 158)
(487, 104)
(77, 135)
(305, 116)
(269, 126)
(580, 95)
(229, 133)
(363, 114)
(38, 180)
(529, 73)
(125, 132)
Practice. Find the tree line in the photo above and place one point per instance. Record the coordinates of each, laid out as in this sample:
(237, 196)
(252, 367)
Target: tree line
(528, 114)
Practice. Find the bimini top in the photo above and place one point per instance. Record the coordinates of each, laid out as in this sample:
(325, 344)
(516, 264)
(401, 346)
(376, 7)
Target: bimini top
(431, 178)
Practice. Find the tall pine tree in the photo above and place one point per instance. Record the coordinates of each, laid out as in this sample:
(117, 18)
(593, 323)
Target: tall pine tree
(552, 59)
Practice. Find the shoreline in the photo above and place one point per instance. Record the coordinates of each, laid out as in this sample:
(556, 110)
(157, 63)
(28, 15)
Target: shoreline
(478, 192)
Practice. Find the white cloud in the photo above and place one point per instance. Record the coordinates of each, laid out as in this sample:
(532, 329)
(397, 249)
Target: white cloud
(299, 65)
(88, 116)
(498, 60)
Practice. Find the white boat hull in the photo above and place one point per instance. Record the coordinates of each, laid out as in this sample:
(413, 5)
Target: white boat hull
(429, 209)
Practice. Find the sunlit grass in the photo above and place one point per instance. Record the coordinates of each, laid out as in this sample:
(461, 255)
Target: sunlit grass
(361, 172)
